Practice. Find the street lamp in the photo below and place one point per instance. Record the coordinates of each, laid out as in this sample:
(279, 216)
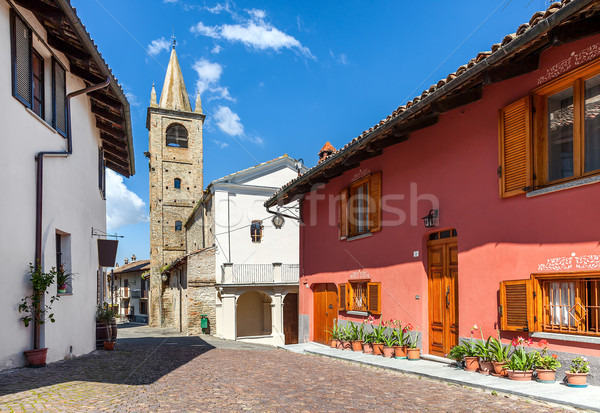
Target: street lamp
(278, 221)
(430, 219)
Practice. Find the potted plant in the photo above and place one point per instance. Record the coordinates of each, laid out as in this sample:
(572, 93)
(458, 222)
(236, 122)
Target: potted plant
(347, 336)
(546, 364)
(471, 353)
(577, 374)
(457, 353)
(63, 279)
(413, 352)
(368, 343)
(36, 311)
(388, 345)
(485, 355)
(378, 337)
(521, 363)
(358, 334)
(401, 336)
(107, 315)
(500, 356)
(335, 334)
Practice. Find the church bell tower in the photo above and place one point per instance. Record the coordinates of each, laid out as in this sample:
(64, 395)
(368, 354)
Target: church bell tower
(175, 152)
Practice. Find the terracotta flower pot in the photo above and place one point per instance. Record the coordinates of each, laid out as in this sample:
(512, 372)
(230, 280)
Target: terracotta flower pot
(546, 376)
(520, 375)
(400, 352)
(333, 344)
(346, 345)
(109, 345)
(471, 363)
(414, 353)
(339, 345)
(357, 345)
(368, 348)
(486, 367)
(377, 349)
(388, 352)
(500, 369)
(576, 379)
(36, 358)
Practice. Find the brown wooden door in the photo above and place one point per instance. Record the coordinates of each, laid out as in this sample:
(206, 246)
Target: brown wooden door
(290, 318)
(325, 311)
(442, 254)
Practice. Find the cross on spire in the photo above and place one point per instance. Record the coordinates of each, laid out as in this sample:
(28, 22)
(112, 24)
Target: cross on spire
(173, 37)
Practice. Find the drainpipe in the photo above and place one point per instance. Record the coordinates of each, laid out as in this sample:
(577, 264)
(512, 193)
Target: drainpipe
(40, 187)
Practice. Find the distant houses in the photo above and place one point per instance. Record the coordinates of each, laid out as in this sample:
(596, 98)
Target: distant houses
(128, 290)
(65, 119)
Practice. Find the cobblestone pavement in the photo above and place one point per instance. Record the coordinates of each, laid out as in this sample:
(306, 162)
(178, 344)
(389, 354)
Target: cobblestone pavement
(158, 371)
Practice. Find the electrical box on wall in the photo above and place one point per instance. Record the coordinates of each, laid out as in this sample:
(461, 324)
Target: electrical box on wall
(415, 254)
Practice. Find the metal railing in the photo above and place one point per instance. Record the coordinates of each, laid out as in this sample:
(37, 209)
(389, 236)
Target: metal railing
(252, 273)
(290, 272)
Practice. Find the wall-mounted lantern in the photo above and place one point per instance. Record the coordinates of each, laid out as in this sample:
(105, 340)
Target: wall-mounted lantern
(278, 221)
(164, 277)
(431, 218)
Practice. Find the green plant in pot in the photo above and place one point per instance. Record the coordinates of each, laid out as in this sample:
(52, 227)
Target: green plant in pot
(500, 355)
(106, 315)
(414, 352)
(458, 353)
(63, 279)
(485, 355)
(578, 372)
(546, 364)
(36, 310)
(521, 363)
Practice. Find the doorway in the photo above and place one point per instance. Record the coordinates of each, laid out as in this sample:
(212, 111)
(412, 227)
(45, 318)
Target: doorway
(290, 318)
(442, 258)
(325, 311)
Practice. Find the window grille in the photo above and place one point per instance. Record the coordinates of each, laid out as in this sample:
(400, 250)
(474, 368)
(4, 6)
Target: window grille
(21, 42)
(59, 98)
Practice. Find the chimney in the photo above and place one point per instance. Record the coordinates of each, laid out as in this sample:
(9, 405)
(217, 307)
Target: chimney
(126, 261)
(133, 258)
(325, 151)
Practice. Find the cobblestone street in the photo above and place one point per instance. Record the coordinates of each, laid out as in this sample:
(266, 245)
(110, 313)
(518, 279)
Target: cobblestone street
(152, 370)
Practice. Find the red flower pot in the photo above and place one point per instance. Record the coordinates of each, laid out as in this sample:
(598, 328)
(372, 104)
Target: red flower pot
(109, 345)
(357, 345)
(577, 379)
(334, 343)
(400, 352)
(500, 369)
(414, 353)
(520, 375)
(471, 363)
(388, 352)
(368, 348)
(377, 349)
(486, 367)
(346, 345)
(36, 358)
(546, 376)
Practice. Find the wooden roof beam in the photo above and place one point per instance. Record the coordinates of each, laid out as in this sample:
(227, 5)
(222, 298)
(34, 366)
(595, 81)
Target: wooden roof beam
(114, 150)
(118, 143)
(512, 69)
(102, 97)
(575, 30)
(68, 49)
(42, 10)
(107, 114)
(115, 159)
(86, 75)
(457, 100)
(117, 133)
(117, 168)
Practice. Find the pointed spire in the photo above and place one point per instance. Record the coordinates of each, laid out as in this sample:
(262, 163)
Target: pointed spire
(153, 103)
(198, 104)
(174, 95)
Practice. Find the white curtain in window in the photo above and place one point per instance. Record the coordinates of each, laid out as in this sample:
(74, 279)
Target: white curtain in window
(562, 298)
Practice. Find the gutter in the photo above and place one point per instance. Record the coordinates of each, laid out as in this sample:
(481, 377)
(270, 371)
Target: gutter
(39, 190)
(531, 34)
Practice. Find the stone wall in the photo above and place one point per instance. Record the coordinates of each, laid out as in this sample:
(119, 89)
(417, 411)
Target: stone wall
(201, 292)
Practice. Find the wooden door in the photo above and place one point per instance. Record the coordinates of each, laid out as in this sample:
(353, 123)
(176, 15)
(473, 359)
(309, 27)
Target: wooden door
(324, 312)
(442, 255)
(290, 318)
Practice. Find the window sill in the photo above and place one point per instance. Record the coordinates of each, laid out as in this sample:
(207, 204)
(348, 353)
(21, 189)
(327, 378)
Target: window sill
(566, 337)
(566, 185)
(42, 121)
(63, 294)
(358, 313)
(356, 237)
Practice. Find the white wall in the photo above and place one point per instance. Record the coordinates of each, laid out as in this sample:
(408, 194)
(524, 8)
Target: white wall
(72, 204)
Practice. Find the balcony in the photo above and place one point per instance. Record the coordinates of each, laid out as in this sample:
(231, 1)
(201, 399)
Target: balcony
(248, 274)
(125, 292)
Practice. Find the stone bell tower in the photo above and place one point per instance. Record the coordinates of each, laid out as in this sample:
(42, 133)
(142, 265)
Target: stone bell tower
(175, 153)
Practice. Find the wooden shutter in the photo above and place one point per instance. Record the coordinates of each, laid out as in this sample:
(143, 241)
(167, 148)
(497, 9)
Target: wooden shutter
(21, 56)
(375, 202)
(514, 131)
(342, 297)
(343, 213)
(374, 297)
(349, 297)
(516, 305)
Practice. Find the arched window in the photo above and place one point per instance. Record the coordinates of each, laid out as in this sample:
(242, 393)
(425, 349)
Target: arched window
(177, 183)
(177, 136)
(177, 225)
(256, 231)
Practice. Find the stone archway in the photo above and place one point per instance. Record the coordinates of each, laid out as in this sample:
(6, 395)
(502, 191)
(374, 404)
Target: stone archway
(253, 314)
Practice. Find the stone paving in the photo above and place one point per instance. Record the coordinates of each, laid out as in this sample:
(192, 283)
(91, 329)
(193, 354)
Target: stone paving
(156, 370)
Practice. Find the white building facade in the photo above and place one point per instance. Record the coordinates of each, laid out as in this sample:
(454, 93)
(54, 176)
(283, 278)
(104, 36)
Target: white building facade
(52, 202)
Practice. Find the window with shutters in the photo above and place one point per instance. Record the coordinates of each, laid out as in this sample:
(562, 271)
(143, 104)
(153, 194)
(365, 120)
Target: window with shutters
(59, 98)
(555, 303)
(21, 55)
(101, 173)
(38, 84)
(360, 207)
(360, 296)
(552, 136)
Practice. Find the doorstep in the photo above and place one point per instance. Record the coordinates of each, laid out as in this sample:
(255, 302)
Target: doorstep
(438, 368)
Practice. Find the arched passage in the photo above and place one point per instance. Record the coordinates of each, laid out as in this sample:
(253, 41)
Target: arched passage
(253, 314)
(290, 318)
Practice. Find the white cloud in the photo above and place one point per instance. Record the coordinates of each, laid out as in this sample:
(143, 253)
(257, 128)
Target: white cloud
(255, 33)
(123, 207)
(341, 58)
(217, 49)
(228, 121)
(170, 1)
(158, 45)
(221, 144)
(209, 74)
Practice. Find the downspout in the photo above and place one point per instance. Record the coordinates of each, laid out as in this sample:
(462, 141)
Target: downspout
(40, 187)
(228, 228)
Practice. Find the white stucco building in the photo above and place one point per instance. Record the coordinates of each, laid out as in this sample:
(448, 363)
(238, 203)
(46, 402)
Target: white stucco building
(56, 146)
(239, 270)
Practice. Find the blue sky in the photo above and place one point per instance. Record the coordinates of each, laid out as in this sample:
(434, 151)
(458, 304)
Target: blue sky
(278, 76)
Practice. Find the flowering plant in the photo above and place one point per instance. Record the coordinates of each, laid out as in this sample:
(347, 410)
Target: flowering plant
(378, 331)
(499, 352)
(579, 365)
(482, 348)
(412, 340)
(389, 339)
(521, 359)
(470, 349)
(401, 333)
(544, 360)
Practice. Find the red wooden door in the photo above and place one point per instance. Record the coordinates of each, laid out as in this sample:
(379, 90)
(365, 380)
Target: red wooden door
(442, 254)
(325, 311)
(290, 318)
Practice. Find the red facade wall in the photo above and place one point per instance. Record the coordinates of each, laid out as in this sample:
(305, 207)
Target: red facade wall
(498, 239)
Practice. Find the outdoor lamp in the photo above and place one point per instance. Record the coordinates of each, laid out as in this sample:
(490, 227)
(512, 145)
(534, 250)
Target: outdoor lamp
(430, 219)
(278, 221)
(164, 277)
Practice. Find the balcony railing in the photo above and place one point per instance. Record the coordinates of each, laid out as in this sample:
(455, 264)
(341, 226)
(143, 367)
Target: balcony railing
(259, 273)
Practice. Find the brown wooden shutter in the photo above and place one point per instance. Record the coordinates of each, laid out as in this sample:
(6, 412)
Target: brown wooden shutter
(342, 297)
(343, 213)
(516, 305)
(374, 297)
(349, 297)
(375, 202)
(514, 131)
